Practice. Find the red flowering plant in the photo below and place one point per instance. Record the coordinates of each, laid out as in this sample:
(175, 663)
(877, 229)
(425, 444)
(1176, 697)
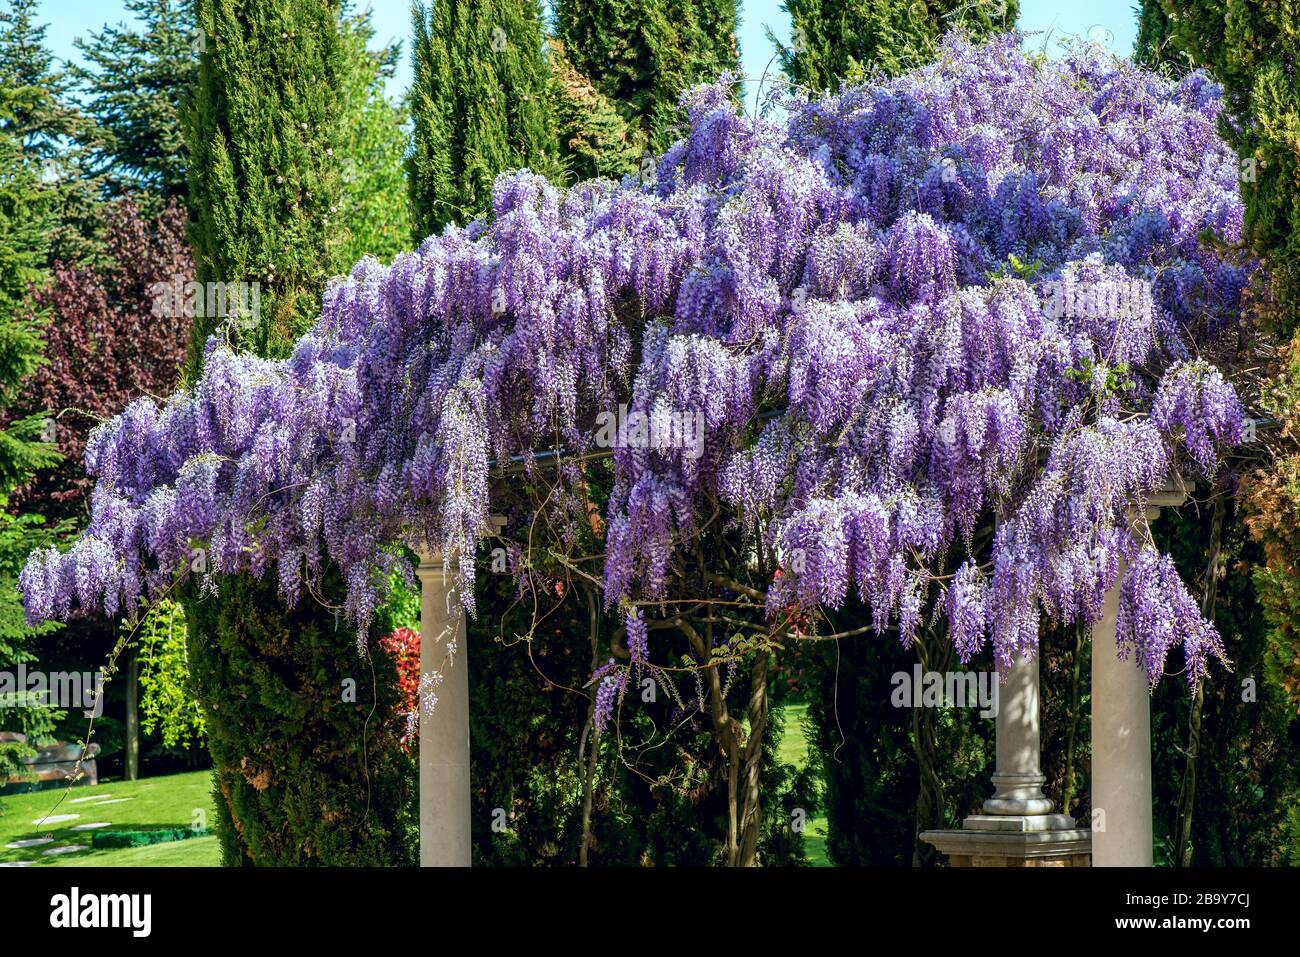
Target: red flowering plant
(404, 645)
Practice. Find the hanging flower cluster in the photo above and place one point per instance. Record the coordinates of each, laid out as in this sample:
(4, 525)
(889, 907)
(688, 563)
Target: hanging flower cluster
(970, 296)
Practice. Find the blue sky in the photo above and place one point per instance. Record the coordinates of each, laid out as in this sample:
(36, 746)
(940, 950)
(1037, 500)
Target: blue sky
(1112, 21)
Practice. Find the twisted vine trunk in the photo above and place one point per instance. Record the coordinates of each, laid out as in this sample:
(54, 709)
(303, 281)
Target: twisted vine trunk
(589, 767)
(1187, 793)
(1072, 722)
(752, 818)
(930, 808)
(744, 810)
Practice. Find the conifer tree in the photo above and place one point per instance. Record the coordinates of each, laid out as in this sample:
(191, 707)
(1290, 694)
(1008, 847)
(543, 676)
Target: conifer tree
(25, 222)
(138, 85)
(481, 105)
(594, 139)
(136, 82)
(308, 766)
(265, 133)
(832, 40)
(1155, 46)
(51, 131)
(641, 54)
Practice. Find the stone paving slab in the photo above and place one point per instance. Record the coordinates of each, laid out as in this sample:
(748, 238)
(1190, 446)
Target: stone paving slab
(65, 849)
(30, 842)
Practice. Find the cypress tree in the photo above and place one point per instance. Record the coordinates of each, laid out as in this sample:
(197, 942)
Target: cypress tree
(138, 85)
(641, 54)
(481, 105)
(265, 133)
(308, 768)
(835, 39)
(595, 140)
(1154, 48)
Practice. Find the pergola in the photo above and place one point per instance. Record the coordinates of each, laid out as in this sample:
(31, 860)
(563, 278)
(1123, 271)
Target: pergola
(1017, 826)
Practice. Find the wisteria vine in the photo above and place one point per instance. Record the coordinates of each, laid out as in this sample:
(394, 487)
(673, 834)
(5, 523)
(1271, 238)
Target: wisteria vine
(972, 297)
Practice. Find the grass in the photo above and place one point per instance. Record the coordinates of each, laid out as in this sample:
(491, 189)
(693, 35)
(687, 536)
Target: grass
(177, 800)
(793, 749)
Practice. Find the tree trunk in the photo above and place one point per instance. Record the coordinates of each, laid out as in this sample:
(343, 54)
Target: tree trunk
(929, 798)
(726, 733)
(1072, 722)
(132, 713)
(752, 819)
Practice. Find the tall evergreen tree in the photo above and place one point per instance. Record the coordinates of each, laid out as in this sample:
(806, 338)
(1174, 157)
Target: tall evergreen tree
(480, 103)
(595, 140)
(141, 75)
(1155, 46)
(25, 222)
(265, 133)
(834, 39)
(1252, 49)
(306, 772)
(136, 82)
(641, 54)
(52, 132)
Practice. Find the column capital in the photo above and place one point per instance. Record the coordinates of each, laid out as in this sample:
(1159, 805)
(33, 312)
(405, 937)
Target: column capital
(431, 561)
(1170, 495)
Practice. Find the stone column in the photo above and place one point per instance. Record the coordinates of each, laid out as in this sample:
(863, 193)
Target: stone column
(1121, 734)
(1017, 828)
(1018, 778)
(444, 732)
(1018, 802)
(1121, 749)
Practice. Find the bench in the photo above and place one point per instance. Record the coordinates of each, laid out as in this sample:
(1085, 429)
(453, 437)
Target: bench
(52, 765)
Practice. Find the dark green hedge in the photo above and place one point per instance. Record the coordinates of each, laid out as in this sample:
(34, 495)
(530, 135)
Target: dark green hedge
(302, 776)
(159, 835)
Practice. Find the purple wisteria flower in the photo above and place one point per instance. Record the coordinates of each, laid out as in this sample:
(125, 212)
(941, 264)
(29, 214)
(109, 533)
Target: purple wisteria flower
(905, 313)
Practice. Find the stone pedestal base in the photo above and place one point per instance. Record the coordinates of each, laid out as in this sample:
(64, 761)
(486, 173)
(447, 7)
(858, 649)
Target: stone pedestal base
(994, 840)
(1017, 822)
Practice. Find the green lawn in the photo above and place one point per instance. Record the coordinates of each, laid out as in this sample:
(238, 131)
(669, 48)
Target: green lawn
(175, 800)
(793, 749)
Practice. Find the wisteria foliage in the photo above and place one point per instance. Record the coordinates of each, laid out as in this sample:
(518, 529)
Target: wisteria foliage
(969, 298)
